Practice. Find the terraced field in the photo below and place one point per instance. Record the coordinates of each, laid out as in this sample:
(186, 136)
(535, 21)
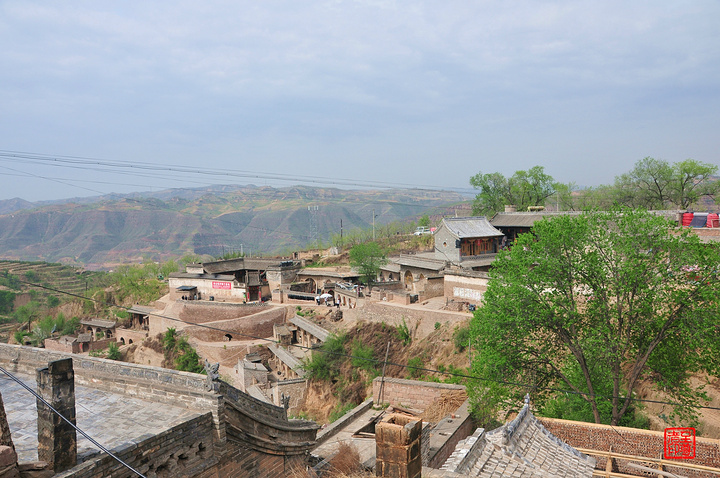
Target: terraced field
(52, 277)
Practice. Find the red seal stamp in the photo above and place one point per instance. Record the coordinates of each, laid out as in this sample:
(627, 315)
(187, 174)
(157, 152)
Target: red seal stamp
(679, 443)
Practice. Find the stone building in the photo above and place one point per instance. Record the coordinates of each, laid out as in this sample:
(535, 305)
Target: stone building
(470, 242)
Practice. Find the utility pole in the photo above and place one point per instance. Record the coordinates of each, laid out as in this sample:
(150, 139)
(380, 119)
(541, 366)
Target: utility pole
(241, 251)
(341, 235)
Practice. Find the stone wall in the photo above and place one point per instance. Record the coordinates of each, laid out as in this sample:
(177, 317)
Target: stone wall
(143, 381)
(199, 312)
(296, 389)
(185, 450)
(447, 433)
(236, 436)
(130, 335)
(259, 324)
(394, 315)
(410, 393)
(470, 289)
(629, 441)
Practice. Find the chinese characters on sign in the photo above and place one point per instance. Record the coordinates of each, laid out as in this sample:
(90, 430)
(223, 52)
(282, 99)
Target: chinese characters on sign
(222, 285)
(679, 443)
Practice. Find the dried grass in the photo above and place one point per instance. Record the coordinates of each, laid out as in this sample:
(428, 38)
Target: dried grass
(446, 404)
(347, 460)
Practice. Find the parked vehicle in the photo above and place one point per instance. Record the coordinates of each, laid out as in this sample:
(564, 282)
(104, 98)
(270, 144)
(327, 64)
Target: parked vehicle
(422, 230)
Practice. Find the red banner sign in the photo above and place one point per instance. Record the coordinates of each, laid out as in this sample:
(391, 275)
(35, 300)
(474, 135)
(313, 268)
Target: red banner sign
(222, 285)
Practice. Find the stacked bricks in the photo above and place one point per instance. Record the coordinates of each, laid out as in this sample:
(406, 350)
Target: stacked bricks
(629, 441)
(398, 447)
(57, 439)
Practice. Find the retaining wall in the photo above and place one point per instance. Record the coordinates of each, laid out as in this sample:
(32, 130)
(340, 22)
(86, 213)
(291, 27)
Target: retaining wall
(410, 393)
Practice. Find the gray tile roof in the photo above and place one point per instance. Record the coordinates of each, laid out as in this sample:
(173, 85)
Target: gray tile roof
(479, 261)
(521, 448)
(408, 260)
(142, 310)
(311, 328)
(467, 227)
(104, 324)
(287, 358)
(190, 275)
(525, 219)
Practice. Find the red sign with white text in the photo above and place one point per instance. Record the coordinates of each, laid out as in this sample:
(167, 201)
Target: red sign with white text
(222, 285)
(679, 443)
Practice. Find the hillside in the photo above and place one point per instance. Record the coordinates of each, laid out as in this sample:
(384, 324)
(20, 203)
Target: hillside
(200, 221)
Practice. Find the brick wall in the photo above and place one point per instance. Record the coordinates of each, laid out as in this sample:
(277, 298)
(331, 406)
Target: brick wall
(183, 451)
(629, 441)
(410, 393)
(101, 344)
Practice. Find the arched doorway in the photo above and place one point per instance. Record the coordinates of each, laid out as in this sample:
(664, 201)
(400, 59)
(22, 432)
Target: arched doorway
(409, 279)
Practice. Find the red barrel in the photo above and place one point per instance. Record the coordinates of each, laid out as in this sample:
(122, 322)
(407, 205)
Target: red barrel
(687, 218)
(713, 220)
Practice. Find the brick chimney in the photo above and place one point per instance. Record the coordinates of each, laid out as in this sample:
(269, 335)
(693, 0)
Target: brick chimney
(397, 442)
(57, 440)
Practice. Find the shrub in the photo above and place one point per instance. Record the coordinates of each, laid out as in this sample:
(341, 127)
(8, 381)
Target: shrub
(113, 352)
(461, 337)
(324, 364)
(403, 333)
(414, 364)
(363, 356)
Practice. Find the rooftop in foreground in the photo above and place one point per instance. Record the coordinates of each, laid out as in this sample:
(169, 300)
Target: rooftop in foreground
(110, 419)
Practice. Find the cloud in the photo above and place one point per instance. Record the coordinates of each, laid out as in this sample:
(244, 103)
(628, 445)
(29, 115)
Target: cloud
(155, 79)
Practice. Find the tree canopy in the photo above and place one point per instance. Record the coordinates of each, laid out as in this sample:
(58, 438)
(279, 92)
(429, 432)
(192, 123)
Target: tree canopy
(367, 258)
(522, 189)
(594, 304)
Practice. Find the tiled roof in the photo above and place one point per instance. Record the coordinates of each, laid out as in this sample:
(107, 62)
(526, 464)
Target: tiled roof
(324, 272)
(105, 324)
(142, 310)
(467, 227)
(479, 261)
(287, 358)
(408, 260)
(521, 448)
(525, 219)
(311, 328)
(190, 275)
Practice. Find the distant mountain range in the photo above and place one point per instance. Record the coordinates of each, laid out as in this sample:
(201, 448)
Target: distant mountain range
(103, 231)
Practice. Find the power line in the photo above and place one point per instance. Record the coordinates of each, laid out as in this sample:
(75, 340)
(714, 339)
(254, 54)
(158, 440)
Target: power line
(78, 161)
(380, 362)
(91, 439)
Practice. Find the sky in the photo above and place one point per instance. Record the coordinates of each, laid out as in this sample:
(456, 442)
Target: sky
(102, 96)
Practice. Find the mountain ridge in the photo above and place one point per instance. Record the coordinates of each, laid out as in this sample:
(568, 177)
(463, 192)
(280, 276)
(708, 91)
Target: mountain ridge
(101, 231)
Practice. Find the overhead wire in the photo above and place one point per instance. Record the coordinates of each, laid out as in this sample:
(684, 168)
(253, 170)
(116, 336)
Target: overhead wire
(69, 422)
(207, 171)
(380, 362)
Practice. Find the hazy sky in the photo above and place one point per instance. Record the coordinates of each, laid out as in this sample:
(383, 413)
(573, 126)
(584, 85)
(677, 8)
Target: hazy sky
(409, 93)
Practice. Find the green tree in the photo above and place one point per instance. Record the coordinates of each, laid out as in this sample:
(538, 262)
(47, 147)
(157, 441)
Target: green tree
(594, 304)
(7, 301)
(692, 180)
(657, 184)
(424, 221)
(113, 352)
(522, 189)
(367, 258)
